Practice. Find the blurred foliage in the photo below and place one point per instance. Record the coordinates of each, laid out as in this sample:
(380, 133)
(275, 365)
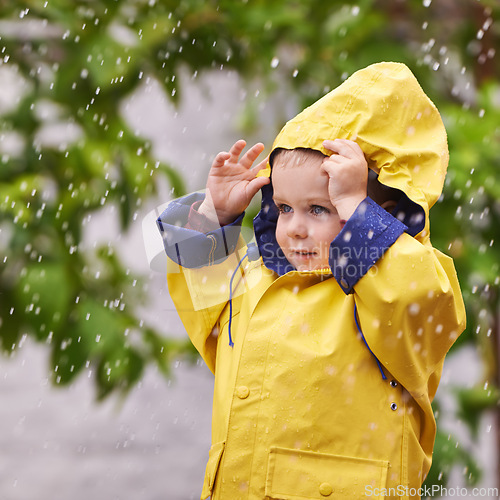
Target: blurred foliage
(447, 454)
(472, 402)
(74, 64)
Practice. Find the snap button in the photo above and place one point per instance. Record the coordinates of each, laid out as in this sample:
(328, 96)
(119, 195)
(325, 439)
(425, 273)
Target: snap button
(394, 406)
(242, 392)
(325, 489)
(393, 383)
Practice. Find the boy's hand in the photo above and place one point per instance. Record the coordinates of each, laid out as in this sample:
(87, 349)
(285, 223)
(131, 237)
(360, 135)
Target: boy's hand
(348, 175)
(232, 184)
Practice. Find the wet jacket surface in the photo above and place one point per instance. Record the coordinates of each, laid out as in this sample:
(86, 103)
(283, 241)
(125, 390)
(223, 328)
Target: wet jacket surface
(326, 389)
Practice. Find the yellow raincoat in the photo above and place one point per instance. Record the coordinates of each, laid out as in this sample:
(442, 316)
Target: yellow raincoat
(324, 379)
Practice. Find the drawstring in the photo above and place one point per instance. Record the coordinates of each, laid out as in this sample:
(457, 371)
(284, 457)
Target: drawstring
(253, 254)
(366, 343)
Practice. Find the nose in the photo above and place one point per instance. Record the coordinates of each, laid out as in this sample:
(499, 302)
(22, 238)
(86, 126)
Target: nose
(297, 227)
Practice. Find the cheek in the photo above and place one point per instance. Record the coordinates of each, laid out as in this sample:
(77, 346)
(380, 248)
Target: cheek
(324, 235)
(280, 232)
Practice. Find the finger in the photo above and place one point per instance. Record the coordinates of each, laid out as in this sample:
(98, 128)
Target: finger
(220, 159)
(333, 164)
(328, 168)
(255, 184)
(260, 166)
(352, 145)
(236, 149)
(342, 147)
(251, 155)
(332, 167)
(335, 159)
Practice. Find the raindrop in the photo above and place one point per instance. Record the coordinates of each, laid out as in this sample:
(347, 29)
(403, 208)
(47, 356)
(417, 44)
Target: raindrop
(487, 23)
(414, 308)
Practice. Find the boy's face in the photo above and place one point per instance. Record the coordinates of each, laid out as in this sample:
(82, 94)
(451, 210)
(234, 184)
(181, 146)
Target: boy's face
(308, 222)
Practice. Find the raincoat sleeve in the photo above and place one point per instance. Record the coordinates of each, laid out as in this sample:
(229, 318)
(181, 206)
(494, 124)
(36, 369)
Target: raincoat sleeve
(199, 268)
(406, 293)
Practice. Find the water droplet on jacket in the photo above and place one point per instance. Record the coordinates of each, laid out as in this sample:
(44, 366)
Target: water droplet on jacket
(414, 308)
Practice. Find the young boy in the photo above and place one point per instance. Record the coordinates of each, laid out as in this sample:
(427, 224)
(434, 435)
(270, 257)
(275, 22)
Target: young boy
(327, 348)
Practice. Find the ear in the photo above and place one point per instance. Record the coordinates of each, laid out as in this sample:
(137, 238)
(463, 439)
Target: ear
(389, 205)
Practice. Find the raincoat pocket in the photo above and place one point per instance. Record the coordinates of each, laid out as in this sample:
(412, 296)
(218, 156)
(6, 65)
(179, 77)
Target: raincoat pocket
(305, 475)
(214, 456)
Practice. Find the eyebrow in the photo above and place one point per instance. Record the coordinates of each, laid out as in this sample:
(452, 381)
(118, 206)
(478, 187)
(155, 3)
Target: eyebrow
(308, 201)
(320, 201)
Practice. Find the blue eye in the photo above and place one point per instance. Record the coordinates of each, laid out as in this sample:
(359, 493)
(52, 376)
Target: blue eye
(318, 210)
(284, 209)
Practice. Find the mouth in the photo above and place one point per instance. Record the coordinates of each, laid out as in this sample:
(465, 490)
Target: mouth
(303, 253)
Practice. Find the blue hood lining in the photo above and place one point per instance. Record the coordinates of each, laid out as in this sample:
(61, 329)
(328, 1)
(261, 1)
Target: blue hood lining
(406, 211)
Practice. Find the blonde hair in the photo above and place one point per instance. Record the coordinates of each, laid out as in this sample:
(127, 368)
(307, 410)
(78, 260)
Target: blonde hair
(377, 191)
(294, 157)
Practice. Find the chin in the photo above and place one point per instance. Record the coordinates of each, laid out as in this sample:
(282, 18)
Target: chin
(302, 267)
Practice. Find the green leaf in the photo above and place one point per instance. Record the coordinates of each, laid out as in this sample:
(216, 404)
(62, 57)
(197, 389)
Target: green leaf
(447, 454)
(473, 401)
(121, 369)
(175, 179)
(43, 294)
(108, 62)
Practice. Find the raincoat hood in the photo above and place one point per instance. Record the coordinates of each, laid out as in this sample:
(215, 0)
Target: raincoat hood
(400, 131)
